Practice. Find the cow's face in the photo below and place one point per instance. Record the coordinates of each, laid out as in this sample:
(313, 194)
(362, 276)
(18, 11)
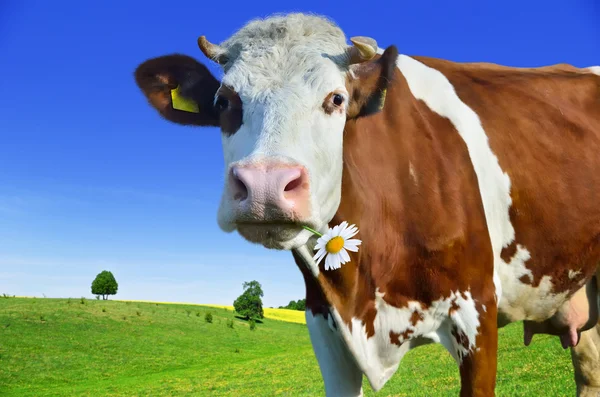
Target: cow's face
(287, 91)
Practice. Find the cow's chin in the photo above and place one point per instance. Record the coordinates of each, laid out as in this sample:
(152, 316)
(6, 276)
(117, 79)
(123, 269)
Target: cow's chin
(273, 235)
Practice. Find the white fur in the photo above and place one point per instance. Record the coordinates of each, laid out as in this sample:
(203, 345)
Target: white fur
(412, 173)
(595, 69)
(433, 88)
(522, 301)
(379, 358)
(282, 78)
(307, 257)
(573, 274)
(341, 375)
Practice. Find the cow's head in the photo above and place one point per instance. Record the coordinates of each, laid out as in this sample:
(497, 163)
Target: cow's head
(290, 85)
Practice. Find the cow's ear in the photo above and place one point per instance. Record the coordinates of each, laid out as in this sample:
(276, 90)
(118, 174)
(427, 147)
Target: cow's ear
(180, 88)
(368, 81)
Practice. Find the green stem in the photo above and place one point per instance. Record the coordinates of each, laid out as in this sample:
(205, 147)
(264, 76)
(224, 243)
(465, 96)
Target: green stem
(313, 231)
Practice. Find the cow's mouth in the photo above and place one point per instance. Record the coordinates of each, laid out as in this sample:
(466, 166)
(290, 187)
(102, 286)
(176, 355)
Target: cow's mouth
(271, 234)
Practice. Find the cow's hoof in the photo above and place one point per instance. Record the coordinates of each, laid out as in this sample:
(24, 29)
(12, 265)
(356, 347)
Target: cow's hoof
(588, 391)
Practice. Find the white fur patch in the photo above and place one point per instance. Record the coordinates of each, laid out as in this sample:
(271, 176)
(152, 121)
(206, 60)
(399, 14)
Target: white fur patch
(433, 88)
(522, 301)
(339, 371)
(307, 257)
(379, 357)
(595, 69)
(411, 171)
(573, 274)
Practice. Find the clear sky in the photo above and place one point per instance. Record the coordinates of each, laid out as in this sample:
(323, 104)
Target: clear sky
(91, 178)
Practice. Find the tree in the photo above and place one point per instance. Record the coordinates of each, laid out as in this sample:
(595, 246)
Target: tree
(104, 284)
(301, 304)
(249, 303)
(293, 305)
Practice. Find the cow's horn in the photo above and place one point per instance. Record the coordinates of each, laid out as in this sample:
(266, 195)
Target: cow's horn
(212, 51)
(364, 49)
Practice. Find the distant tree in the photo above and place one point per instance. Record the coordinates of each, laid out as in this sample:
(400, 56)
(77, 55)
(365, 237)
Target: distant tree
(295, 305)
(104, 284)
(249, 304)
(291, 305)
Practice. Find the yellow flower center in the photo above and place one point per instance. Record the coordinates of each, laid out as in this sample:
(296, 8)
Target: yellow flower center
(335, 245)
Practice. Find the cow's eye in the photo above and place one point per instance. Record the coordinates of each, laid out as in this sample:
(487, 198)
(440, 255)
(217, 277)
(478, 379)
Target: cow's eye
(221, 103)
(338, 100)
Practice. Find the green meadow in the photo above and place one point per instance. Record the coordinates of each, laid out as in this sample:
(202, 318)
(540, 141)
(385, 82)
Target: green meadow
(63, 347)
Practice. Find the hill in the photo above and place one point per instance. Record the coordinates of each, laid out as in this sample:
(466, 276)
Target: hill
(292, 316)
(61, 347)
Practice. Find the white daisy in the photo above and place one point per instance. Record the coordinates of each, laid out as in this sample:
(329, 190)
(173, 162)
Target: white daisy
(333, 245)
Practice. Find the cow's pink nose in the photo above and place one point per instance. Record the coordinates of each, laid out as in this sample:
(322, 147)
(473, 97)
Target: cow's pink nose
(283, 187)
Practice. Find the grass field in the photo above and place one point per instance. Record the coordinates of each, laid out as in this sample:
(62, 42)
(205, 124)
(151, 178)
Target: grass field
(60, 347)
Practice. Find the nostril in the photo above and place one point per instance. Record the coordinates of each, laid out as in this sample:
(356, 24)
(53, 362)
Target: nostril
(296, 182)
(293, 185)
(238, 187)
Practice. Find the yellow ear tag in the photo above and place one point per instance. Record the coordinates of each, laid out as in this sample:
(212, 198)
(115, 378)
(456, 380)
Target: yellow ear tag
(383, 93)
(181, 103)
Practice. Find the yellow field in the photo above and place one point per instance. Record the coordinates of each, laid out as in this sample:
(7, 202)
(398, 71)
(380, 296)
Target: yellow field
(291, 316)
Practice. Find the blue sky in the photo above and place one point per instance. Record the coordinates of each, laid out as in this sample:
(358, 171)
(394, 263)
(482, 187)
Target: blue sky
(91, 178)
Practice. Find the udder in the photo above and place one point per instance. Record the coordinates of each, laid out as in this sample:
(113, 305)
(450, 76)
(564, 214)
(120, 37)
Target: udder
(578, 314)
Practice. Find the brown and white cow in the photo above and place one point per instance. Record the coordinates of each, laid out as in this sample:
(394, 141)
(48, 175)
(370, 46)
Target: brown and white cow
(475, 188)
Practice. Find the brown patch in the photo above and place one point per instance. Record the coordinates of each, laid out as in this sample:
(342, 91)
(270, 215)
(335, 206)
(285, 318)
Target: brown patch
(460, 338)
(395, 338)
(400, 338)
(507, 253)
(230, 118)
(525, 279)
(453, 307)
(415, 317)
(369, 319)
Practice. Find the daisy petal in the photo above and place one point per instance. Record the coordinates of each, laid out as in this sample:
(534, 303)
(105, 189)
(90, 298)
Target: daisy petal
(352, 232)
(317, 258)
(344, 255)
(335, 231)
(328, 265)
(351, 247)
(336, 261)
(353, 241)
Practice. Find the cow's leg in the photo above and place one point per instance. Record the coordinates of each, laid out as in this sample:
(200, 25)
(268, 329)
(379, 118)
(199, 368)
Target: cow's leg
(586, 358)
(586, 362)
(340, 373)
(478, 363)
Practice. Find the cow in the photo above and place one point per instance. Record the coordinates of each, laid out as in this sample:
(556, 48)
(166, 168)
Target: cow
(473, 187)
